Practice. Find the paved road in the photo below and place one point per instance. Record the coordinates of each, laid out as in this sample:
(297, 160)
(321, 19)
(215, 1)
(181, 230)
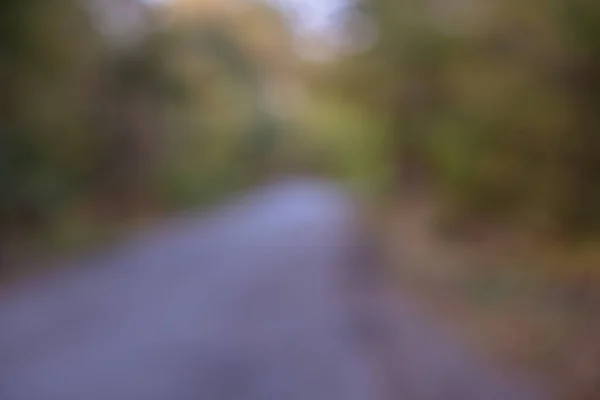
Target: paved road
(262, 299)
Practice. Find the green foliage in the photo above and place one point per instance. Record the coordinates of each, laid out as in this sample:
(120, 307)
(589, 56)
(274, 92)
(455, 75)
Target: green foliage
(495, 104)
(352, 141)
(97, 130)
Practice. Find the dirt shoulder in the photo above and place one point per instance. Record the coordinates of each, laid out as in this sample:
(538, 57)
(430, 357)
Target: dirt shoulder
(527, 308)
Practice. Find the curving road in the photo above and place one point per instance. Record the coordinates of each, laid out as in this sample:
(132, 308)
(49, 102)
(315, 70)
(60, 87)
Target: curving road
(263, 299)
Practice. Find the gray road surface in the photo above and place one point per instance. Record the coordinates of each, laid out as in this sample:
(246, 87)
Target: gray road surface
(263, 299)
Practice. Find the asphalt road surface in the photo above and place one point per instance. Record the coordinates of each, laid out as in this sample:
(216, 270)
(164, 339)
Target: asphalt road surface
(268, 298)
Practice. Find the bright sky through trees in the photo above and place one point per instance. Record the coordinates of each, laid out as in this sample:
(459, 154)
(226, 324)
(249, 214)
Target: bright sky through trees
(312, 16)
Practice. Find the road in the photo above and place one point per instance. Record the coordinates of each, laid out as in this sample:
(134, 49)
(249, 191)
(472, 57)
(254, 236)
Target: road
(265, 298)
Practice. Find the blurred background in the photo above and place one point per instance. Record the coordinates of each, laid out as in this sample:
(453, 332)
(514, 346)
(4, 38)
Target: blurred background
(470, 129)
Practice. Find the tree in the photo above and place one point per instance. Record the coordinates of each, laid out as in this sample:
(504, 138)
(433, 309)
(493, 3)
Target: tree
(494, 103)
